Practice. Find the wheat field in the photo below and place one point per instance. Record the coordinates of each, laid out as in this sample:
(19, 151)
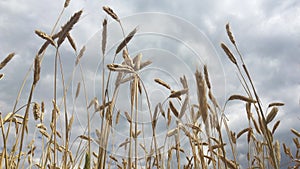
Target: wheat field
(197, 134)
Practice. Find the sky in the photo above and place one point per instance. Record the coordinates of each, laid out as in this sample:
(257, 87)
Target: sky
(178, 36)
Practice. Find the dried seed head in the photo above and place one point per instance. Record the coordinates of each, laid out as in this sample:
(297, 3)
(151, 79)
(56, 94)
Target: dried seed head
(271, 115)
(36, 111)
(37, 70)
(228, 53)
(243, 98)
(161, 82)
(77, 90)
(206, 77)
(81, 53)
(177, 94)
(68, 27)
(6, 60)
(67, 2)
(43, 35)
(111, 13)
(229, 33)
(295, 132)
(1, 75)
(174, 110)
(71, 41)
(104, 35)
(126, 40)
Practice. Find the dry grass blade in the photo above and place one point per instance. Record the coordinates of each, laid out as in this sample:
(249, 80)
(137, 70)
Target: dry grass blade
(275, 104)
(271, 115)
(174, 110)
(161, 82)
(295, 132)
(81, 52)
(45, 36)
(6, 60)
(104, 35)
(243, 98)
(229, 33)
(111, 13)
(228, 53)
(37, 70)
(71, 41)
(68, 27)
(126, 40)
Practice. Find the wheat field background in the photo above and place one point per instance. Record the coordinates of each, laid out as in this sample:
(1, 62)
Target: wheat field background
(141, 85)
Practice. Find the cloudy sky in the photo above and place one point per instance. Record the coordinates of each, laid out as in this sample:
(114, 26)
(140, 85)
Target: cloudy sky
(178, 37)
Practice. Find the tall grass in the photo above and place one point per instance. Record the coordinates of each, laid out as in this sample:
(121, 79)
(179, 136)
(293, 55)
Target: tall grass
(202, 122)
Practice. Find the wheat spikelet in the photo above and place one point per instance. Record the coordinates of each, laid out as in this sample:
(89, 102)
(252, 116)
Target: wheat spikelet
(67, 27)
(37, 70)
(77, 90)
(228, 53)
(295, 132)
(1, 75)
(36, 111)
(243, 98)
(104, 35)
(45, 36)
(111, 13)
(67, 2)
(275, 104)
(271, 115)
(126, 40)
(242, 132)
(206, 77)
(71, 41)
(201, 92)
(174, 110)
(6, 60)
(275, 126)
(120, 68)
(177, 94)
(161, 82)
(81, 53)
(144, 64)
(229, 33)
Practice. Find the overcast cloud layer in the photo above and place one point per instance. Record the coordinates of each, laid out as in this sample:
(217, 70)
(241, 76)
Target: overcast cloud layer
(267, 33)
